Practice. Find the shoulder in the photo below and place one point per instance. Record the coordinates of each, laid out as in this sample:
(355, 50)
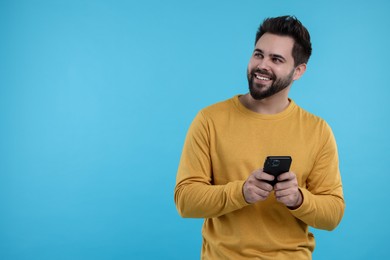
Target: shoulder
(213, 113)
(310, 117)
(219, 109)
(220, 106)
(313, 122)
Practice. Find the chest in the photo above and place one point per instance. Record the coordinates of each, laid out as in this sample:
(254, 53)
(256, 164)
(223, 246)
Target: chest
(239, 149)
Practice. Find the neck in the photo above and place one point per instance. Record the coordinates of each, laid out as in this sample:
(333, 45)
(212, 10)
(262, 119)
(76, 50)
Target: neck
(271, 105)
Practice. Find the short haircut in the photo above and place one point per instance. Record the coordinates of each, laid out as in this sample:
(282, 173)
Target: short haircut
(292, 27)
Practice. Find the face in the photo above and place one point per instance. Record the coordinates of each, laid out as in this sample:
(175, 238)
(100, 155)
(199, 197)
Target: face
(271, 67)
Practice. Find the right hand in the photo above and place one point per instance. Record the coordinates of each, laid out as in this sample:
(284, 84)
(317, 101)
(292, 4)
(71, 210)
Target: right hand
(255, 188)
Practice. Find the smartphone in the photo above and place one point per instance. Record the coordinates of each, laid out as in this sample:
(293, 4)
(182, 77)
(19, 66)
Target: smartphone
(275, 165)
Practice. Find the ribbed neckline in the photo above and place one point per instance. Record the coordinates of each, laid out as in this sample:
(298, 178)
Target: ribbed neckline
(290, 108)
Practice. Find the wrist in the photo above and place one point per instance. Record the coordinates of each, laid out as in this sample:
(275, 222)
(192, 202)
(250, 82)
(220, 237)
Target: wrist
(299, 201)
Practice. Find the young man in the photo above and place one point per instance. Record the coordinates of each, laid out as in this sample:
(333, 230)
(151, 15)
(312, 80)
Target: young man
(220, 176)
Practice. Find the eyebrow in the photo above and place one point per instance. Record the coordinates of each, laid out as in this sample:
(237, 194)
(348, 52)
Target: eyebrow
(272, 55)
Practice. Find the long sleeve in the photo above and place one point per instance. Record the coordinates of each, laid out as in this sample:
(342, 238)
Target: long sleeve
(195, 194)
(323, 205)
(225, 143)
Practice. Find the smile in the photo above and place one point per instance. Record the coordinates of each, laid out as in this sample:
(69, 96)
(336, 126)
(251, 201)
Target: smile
(262, 77)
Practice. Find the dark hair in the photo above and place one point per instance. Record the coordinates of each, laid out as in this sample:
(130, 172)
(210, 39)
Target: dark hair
(289, 26)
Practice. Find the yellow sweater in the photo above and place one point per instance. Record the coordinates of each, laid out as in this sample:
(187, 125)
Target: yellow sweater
(224, 145)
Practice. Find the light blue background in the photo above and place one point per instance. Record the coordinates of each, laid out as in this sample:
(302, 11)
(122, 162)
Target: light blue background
(96, 98)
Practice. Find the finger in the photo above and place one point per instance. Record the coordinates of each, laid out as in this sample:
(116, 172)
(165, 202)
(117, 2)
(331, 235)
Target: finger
(285, 192)
(265, 186)
(282, 199)
(286, 176)
(263, 176)
(262, 193)
(290, 200)
(261, 184)
(259, 178)
(286, 185)
(287, 200)
(252, 193)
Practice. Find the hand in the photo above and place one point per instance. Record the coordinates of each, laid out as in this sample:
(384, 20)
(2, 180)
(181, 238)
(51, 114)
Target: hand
(287, 191)
(255, 188)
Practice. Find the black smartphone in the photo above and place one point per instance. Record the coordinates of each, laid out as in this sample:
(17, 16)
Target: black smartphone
(276, 165)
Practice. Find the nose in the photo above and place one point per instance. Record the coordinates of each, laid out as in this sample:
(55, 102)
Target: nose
(263, 64)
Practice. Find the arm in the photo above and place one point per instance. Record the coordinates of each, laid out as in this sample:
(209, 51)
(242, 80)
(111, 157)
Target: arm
(195, 194)
(323, 203)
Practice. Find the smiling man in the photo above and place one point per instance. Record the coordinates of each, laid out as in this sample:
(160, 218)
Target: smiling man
(221, 178)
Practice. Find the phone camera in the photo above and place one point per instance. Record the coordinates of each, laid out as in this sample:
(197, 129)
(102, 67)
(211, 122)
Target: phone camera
(275, 163)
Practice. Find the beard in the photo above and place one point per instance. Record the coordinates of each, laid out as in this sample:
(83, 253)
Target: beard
(260, 91)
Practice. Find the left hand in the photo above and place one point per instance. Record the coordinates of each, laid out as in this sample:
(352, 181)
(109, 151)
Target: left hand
(287, 190)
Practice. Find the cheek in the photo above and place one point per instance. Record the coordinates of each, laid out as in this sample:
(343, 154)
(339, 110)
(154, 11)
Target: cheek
(280, 73)
(248, 69)
(251, 66)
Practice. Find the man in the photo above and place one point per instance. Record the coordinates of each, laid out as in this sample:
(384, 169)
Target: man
(220, 176)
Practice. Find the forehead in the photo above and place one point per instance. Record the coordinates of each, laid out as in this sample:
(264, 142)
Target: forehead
(275, 44)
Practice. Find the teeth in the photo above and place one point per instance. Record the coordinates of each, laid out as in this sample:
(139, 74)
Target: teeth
(262, 78)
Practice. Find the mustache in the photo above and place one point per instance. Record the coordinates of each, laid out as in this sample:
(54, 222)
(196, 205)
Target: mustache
(263, 72)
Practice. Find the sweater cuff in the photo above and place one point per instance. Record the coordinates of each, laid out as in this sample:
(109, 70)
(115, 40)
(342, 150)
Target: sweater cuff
(240, 194)
(302, 210)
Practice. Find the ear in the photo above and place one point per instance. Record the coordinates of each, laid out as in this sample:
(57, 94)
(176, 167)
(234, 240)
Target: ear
(299, 70)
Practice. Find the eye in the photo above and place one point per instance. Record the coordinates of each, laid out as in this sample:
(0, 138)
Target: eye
(277, 60)
(257, 54)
